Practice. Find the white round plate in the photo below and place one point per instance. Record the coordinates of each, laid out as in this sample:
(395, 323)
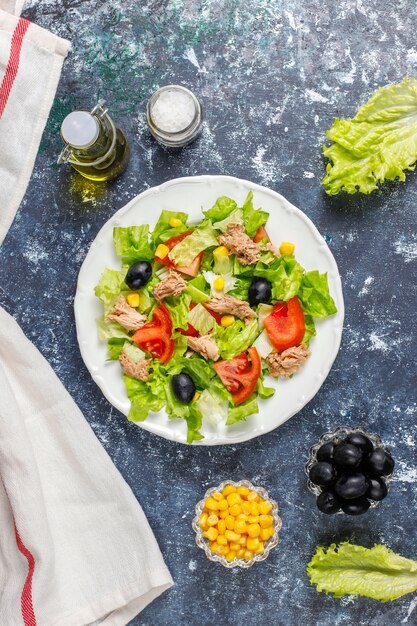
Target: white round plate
(285, 223)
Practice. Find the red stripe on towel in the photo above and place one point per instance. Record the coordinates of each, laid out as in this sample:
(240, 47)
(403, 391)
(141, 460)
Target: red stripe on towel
(13, 63)
(26, 603)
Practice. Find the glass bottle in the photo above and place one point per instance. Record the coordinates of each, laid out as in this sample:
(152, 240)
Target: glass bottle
(94, 146)
(174, 116)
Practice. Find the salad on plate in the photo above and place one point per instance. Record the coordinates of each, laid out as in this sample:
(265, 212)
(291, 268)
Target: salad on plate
(200, 314)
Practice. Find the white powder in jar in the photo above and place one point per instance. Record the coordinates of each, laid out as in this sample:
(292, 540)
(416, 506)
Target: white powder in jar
(173, 111)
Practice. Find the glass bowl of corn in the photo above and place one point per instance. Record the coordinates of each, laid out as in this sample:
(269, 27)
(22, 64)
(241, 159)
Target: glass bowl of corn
(237, 524)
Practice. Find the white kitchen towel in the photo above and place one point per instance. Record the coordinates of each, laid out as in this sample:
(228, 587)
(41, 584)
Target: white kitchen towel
(75, 545)
(30, 65)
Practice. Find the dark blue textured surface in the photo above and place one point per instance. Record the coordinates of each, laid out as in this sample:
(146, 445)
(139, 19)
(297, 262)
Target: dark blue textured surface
(272, 76)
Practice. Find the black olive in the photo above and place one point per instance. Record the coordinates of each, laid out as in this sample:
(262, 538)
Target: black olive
(328, 502)
(379, 463)
(183, 387)
(138, 274)
(347, 456)
(356, 507)
(259, 291)
(360, 441)
(322, 474)
(377, 489)
(325, 452)
(351, 486)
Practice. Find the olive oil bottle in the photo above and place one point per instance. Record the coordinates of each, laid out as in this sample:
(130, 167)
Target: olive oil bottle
(94, 146)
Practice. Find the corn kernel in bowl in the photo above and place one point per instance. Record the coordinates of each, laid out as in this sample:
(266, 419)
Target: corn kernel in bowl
(237, 524)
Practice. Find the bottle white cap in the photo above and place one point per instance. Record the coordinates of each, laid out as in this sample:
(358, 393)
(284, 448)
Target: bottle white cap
(80, 129)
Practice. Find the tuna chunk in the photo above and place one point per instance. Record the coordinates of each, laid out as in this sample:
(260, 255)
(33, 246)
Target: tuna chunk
(126, 316)
(134, 370)
(172, 285)
(238, 242)
(234, 306)
(205, 345)
(288, 362)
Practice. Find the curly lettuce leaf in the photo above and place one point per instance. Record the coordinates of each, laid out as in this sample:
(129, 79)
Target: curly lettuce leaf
(310, 329)
(145, 396)
(377, 572)
(221, 209)
(289, 276)
(378, 144)
(132, 243)
(196, 367)
(187, 412)
(198, 289)
(201, 319)
(110, 286)
(241, 412)
(253, 218)
(315, 296)
(213, 406)
(235, 217)
(114, 347)
(186, 250)
(178, 308)
(236, 338)
(160, 232)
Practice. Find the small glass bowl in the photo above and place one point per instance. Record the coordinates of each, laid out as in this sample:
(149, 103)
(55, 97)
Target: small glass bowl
(339, 435)
(203, 543)
(184, 136)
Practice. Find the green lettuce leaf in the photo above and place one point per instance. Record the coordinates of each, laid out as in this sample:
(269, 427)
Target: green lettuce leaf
(377, 572)
(378, 144)
(253, 218)
(221, 209)
(178, 308)
(198, 289)
(186, 250)
(110, 286)
(114, 347)
(222, 264)
(196, 367)
(188, 412)
(241, 412)
(288, 279)
(201, 319)
(145, 396)
(235, 217)
(110, 330)
(132, 243)
(213, 406)
(264, 392)
(241, 288)
(162, 225)
(236, 338)
(310, 329)
(314, 295)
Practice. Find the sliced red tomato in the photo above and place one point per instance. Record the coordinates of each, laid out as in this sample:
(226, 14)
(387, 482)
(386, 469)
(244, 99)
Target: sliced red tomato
(261, 234)
(286, 328)
(155, 336)
(191, 331)
(239, 376)
(192, 268)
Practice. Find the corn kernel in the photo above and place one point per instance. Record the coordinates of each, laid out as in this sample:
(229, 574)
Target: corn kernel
(234, 546)
(161, 251)
(252, 543)
(211, 534)
(230, 522)
(252, 496)
(223, 514)
(222, 504)
(214, 546)
(242, 516)
(227, 320)
(253, 519)
(221, 540)
(212, 520)
(133, 300)
(228, 489)
(245, 507)
(248, 555)
(174, 222)
(240, 526)
(217, 496)
(260, 548)
(254, 510)
(235, 510)
(223, 550)
(222, 251)
(240, 553)
(254, 530)
(287, 248)
(243, 491)
(212, 504)
(218, 283)
(242, 540)
(221, 526)
(203, 521)
(231, 555)
(233, 498)
(266, 533)
(266, 521)
(231, 536)
(264, 507)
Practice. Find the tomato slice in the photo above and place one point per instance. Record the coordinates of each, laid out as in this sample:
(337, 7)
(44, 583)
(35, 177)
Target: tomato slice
(261, 234)
(239, 376)
(155, 336)
(286, 330)
(192, 268)
(190, 331)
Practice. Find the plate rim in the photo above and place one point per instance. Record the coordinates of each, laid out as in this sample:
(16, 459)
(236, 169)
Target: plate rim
(204, 178)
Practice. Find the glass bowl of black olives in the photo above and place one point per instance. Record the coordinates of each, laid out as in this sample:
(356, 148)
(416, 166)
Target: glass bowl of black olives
(349, 471)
